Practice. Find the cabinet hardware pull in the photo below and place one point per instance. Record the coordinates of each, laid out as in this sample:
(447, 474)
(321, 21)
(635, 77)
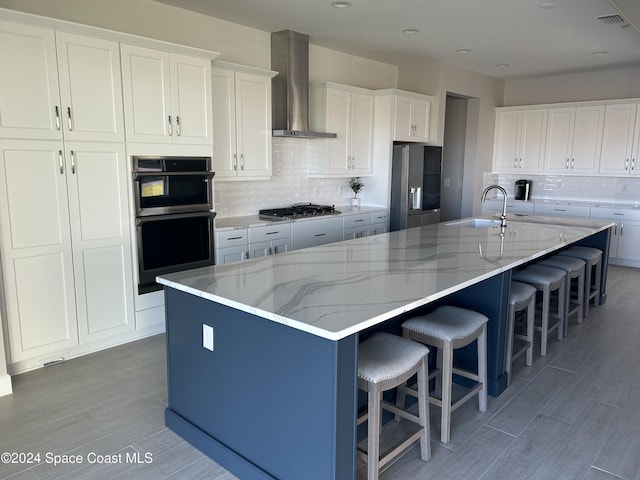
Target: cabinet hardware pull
(356, 221)
(69, 121)
(235, 162)
(515, 162)
(269, 251)
(169, 126)
(573, 162)
(626, 164)
(271, 233)
(60, 162)
(57, 118)
(275, 249)
(319, 234)
(567, 164)
(621, 229)
(242, 161)
(633, 164)
(520, 162)
(234, 238)
(178, 125)
(73, 162)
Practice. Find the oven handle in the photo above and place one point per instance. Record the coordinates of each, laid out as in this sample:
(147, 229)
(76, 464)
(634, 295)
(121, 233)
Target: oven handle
(173, 216)
(139, 175)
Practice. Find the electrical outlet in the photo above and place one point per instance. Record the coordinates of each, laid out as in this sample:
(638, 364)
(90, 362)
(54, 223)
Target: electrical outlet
(207, 337)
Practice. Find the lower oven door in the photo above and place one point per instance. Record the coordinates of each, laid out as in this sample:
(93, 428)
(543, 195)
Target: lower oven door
(171, 243)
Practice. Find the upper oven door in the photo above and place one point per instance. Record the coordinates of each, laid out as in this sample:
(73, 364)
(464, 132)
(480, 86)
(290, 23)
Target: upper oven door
(165, 185)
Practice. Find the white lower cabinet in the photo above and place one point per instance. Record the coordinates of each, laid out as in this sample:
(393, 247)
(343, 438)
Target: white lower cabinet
(66, 249)
(356, 226)
(269, 240)
(231, 246)
(625, 238)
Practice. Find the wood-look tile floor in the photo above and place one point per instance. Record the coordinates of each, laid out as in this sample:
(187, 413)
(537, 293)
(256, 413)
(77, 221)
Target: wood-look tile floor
(575, 414)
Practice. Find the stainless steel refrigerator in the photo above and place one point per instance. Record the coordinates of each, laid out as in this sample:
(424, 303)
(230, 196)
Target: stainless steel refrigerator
(415, 185)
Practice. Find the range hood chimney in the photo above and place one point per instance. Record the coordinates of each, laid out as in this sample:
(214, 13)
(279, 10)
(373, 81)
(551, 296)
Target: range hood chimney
(290, 88)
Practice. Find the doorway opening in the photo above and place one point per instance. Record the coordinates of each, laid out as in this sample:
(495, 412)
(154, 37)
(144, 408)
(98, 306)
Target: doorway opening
(453, 156)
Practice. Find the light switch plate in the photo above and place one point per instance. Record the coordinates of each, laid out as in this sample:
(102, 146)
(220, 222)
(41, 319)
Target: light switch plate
(207, 337)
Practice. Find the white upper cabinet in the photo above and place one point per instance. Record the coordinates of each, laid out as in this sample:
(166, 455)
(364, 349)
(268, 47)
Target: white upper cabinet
(520, 140)
(348, 112)
(574, 139)
(411, 118)
(167, 97)
(241, 123)
(621, 140)
(55, 83)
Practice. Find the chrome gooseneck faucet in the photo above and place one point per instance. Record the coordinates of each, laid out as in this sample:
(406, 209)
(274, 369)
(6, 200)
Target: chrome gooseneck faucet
(503, 217)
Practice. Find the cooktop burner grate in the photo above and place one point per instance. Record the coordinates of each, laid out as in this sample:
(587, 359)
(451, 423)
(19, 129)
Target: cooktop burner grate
(299, 210)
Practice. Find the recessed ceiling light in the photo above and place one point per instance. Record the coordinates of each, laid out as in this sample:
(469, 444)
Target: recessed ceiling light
(463, 50)
(602, 52)
(548, 5)
(341, 4)
(410, 31)
(503, 65)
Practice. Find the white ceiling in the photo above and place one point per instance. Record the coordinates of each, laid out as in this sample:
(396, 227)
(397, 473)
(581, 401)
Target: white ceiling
(531, 39)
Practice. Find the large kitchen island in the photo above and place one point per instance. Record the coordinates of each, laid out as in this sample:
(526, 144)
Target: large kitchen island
(262, 355)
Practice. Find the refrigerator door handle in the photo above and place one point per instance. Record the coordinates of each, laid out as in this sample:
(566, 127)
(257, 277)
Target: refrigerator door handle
(415, 198)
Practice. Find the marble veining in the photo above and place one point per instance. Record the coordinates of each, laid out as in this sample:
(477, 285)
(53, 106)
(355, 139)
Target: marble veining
(338, 289)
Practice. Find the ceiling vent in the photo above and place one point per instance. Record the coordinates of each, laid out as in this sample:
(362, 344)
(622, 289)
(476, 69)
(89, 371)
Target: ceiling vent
(613, 19)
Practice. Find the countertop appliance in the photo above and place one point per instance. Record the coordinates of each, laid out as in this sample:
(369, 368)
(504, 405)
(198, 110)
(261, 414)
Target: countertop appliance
(174, 221)
(298, 210)
(415, 185)
(523, 190)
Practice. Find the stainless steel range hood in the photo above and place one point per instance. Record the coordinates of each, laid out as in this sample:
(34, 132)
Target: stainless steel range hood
(290, 88)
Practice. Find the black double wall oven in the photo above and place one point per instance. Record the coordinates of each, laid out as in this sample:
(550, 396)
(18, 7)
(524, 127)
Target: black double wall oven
(174, 217)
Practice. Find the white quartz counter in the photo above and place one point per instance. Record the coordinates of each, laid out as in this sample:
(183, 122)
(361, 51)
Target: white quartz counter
(339, 289)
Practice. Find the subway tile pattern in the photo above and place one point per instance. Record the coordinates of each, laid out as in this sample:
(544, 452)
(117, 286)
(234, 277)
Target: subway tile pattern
(576, 188)
(289, 183)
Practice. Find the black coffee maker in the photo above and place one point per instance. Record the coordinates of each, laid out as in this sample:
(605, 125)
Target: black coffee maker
(523, 190)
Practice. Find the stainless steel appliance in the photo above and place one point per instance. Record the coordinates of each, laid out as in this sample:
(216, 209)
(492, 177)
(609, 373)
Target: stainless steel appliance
(523, 190)
(174, 221)
(298, 210)
(415, 185)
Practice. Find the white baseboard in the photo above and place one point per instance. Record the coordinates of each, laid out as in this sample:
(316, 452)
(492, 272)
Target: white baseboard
(5, 385)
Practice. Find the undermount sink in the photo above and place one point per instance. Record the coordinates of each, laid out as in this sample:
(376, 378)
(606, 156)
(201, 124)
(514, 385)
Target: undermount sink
(475, 223)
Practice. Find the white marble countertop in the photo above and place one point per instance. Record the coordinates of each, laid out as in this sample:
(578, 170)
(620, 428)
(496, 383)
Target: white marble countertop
(342, 288)
(251, 221)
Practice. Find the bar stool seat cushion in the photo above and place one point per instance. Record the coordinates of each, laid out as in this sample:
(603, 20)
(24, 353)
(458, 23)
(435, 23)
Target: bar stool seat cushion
(594, 253)
(521, 292)
(384, 356)
(447, 323)
(539, 274)
(569, 264)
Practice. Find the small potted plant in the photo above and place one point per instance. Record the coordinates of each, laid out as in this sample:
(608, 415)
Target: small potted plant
(356, 185)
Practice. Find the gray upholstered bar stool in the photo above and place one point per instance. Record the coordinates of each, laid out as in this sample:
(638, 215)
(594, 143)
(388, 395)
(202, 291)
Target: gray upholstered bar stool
(546, 280)
(386, 361)
(522, 297)
(575, 268)
(593, 271)
(448, 328)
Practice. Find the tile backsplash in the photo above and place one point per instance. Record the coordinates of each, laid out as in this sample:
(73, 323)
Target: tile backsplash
(570, 187)
(289, 183)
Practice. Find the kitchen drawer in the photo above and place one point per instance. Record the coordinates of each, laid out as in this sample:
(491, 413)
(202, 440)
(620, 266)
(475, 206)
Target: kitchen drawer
(309, 233)
(356, 220)
(559, 210)
(615, 213)
(269, 232)
(231, 238)
(380, 217)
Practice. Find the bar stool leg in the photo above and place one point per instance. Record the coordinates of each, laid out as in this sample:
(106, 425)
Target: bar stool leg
(531, 320)
(447, 384)
(373, 433)
(581, 281)
(545, 322)
(423, 410)
(482, 372)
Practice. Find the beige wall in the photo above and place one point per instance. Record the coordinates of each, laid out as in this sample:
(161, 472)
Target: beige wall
(575, 87)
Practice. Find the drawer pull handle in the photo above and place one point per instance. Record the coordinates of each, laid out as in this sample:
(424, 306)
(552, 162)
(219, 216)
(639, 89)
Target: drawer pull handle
(319, 234)
(234, 238)
(358, 221)
(271, 233)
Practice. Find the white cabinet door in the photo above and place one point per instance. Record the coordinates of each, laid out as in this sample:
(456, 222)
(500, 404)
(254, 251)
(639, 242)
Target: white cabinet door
(241, 125)
(36, 248)
(628, 240)
(587, 139)
(29, 98)
(191, 100)
(90, 88)
(253, 124)
(97, 186)
(420, 110)
(231, 254)
(507, 147)
(617, 139)
(559, 142)
(338, 105)
(361, 134)
(316, 232)
(147, 94)
(167, 97)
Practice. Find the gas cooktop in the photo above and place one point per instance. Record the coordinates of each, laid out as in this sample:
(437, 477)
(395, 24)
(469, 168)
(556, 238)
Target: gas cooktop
(298, 210)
